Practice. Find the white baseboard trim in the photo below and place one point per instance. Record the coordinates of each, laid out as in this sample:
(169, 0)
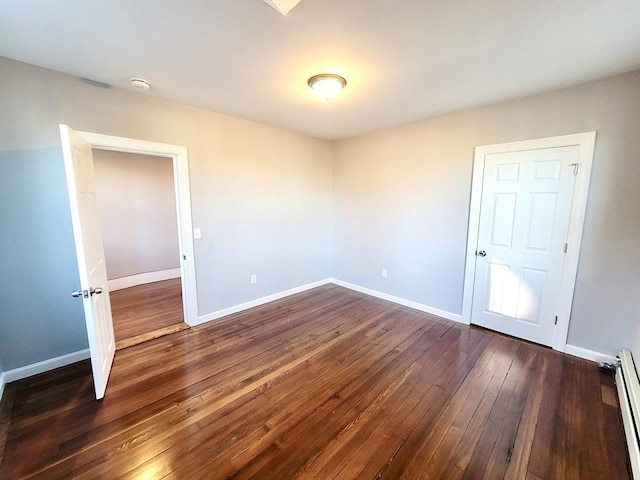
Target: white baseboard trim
(142, 278)
(2, 382)
(588, 354)
(44, 366)
(259, 301)
(401, 301)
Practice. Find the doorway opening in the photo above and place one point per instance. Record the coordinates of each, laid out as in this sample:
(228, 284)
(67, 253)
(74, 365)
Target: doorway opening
(169, 286)
(136, 200)
(94, 286)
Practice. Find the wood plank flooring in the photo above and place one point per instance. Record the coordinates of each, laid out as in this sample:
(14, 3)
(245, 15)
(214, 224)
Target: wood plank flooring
(145, 312)
(326, 384)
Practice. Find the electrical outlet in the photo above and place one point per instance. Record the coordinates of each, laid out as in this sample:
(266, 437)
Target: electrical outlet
(384, 273)
(254, 279)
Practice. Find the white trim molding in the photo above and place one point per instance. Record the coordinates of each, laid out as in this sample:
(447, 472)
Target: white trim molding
(367, 291)
(586, 143)
(180, 157)
(142, 278)
(61, 361)
(259, 301)
(589, 354)
(400, 301)
(44, 366)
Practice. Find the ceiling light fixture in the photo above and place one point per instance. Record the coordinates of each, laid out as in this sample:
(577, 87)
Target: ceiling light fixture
(140, 84)
(327, 85)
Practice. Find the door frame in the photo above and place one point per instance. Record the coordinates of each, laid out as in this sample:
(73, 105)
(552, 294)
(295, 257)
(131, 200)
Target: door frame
(586, 143)
(180, 158)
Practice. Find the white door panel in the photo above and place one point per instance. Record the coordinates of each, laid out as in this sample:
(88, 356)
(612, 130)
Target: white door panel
(90, 255)
(524, 221)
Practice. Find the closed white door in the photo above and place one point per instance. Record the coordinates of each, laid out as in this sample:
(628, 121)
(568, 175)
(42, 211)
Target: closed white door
(523, 230)
(87, 234)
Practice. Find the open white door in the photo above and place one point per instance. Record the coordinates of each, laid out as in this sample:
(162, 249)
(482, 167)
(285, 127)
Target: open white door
(78, 163)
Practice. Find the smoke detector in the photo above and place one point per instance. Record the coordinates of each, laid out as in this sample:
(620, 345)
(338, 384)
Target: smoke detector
(140, 84)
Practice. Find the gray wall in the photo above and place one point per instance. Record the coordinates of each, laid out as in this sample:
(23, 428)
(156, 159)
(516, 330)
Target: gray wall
(264, 198)
(261, 195)
(401, 202)
(137, 206)
(38, 318)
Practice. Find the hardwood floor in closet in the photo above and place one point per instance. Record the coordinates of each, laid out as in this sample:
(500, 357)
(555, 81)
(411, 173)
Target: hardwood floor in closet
(324, 384)
(147, 311)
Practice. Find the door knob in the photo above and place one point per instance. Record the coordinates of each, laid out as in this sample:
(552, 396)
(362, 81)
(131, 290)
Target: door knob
(86, 293)
(481, 253)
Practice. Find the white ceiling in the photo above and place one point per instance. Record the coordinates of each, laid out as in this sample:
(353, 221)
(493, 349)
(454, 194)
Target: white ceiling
(404, 60)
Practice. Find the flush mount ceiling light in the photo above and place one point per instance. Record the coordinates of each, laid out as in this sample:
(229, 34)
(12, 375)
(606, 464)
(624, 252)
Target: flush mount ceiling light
(327, 85)
(140, 84)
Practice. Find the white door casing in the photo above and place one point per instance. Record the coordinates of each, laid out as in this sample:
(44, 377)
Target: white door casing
(87, 235)
(526, 204)
(99, 330)
(180, 157)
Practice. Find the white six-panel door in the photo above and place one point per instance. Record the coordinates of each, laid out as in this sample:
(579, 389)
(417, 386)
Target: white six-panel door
(87, 234)
(523, 228)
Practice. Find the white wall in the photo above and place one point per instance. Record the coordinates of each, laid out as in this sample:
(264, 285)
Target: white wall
(401, 202)
(137, 206)
(260, 194)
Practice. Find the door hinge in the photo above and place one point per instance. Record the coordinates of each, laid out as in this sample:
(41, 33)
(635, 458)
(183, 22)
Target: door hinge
(184, 257)
(556, 322)
(575, 168)
(566, 246)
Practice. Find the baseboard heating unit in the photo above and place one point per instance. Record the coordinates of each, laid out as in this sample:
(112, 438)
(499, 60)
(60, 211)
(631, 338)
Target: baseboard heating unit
(628, 387)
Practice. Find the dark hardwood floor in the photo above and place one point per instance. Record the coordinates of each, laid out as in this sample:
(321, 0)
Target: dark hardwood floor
(325, 384)
(148, 311)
